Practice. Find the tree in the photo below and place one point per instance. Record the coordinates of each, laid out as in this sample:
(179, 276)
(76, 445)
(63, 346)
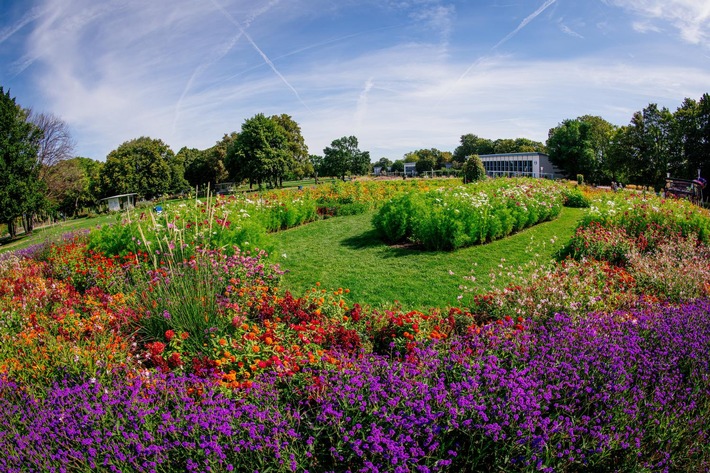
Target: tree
(599, 138)
(618, 155)
(299, 164)
(397, 166)
(525, 145)
(343, 156)
(65, 182)
(260, 152)
(650, 150)
(473, 169)
(427, 160)
(141, 166)
(317, 165)
(56, 143)
(21, 190)
(208, 167)
(691, 137)
(505, 145)
(570, 149)
(91, 179)
(384, 163)
(470, 145)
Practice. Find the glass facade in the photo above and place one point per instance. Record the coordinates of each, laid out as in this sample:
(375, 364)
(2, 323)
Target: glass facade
(509, 167)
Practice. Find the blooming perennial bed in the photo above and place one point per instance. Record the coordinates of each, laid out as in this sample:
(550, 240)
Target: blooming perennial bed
(190, 358)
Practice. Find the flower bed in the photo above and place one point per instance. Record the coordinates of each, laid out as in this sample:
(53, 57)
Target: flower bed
(451, 218)
(622, 392)
(190, 358)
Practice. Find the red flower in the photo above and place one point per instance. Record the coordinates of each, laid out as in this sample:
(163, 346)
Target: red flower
(156, 348)
(174, 359)
(169, 335)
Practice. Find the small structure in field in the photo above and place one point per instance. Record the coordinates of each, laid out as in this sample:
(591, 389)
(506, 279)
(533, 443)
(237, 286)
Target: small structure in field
(410, 169)
(117, 203)
(225, 188)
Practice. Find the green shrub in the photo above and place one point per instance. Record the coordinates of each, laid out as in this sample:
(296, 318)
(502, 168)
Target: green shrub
(473, 170)
(446, 219)
(394, 219)
(574, 198)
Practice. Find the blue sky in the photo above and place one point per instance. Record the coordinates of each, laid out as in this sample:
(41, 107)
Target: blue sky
(400, 75)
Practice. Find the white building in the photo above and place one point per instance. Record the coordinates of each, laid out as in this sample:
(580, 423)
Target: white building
(410, 169)
(529, 164)
(116, 203)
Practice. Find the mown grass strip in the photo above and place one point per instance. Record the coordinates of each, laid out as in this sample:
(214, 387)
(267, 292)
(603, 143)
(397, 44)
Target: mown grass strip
(54, 232)
(346, 252)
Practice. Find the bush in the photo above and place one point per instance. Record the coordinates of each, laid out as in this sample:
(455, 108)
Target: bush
(447, 219)
(576, 199)
(394, 219)
(473, 170)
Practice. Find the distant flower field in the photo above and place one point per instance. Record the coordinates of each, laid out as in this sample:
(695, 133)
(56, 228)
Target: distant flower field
(165, 343)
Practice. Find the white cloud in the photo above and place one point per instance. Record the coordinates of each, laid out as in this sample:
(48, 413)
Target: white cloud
(645, 26)
(690, 17)
(361, 111)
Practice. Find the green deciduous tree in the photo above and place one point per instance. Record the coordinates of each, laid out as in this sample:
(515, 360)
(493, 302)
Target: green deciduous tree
(343, 156)
(427, 161)
(299, 164)
(384, 163)
(580, 146)
(21, 191)
(207, 167)
(571, 150)
(471, 144)
(141, 166)
(260, 154)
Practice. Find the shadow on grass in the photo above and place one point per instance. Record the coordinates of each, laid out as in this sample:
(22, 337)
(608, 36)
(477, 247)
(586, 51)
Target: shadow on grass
(371, 239)
(368, 239)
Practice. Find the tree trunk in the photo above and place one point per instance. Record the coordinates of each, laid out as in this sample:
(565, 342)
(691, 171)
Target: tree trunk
(11, 228)
(27, 223)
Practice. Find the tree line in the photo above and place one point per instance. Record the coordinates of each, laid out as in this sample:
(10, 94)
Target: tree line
(655, 144)
(39, 175)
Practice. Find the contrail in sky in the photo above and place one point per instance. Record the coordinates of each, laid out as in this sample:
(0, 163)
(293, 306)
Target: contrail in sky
(29, 17)
(527, 20)
(202, 67)
(522, 25)
(261, 53)
(217, 57)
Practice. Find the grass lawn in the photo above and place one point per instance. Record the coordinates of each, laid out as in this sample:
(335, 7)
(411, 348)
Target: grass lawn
(346, 252)
(53, 232)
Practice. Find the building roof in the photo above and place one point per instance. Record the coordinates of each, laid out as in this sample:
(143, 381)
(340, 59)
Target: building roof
(117, 196)
(505, 155)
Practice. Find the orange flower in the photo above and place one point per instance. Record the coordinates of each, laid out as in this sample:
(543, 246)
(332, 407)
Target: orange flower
(256, 349)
